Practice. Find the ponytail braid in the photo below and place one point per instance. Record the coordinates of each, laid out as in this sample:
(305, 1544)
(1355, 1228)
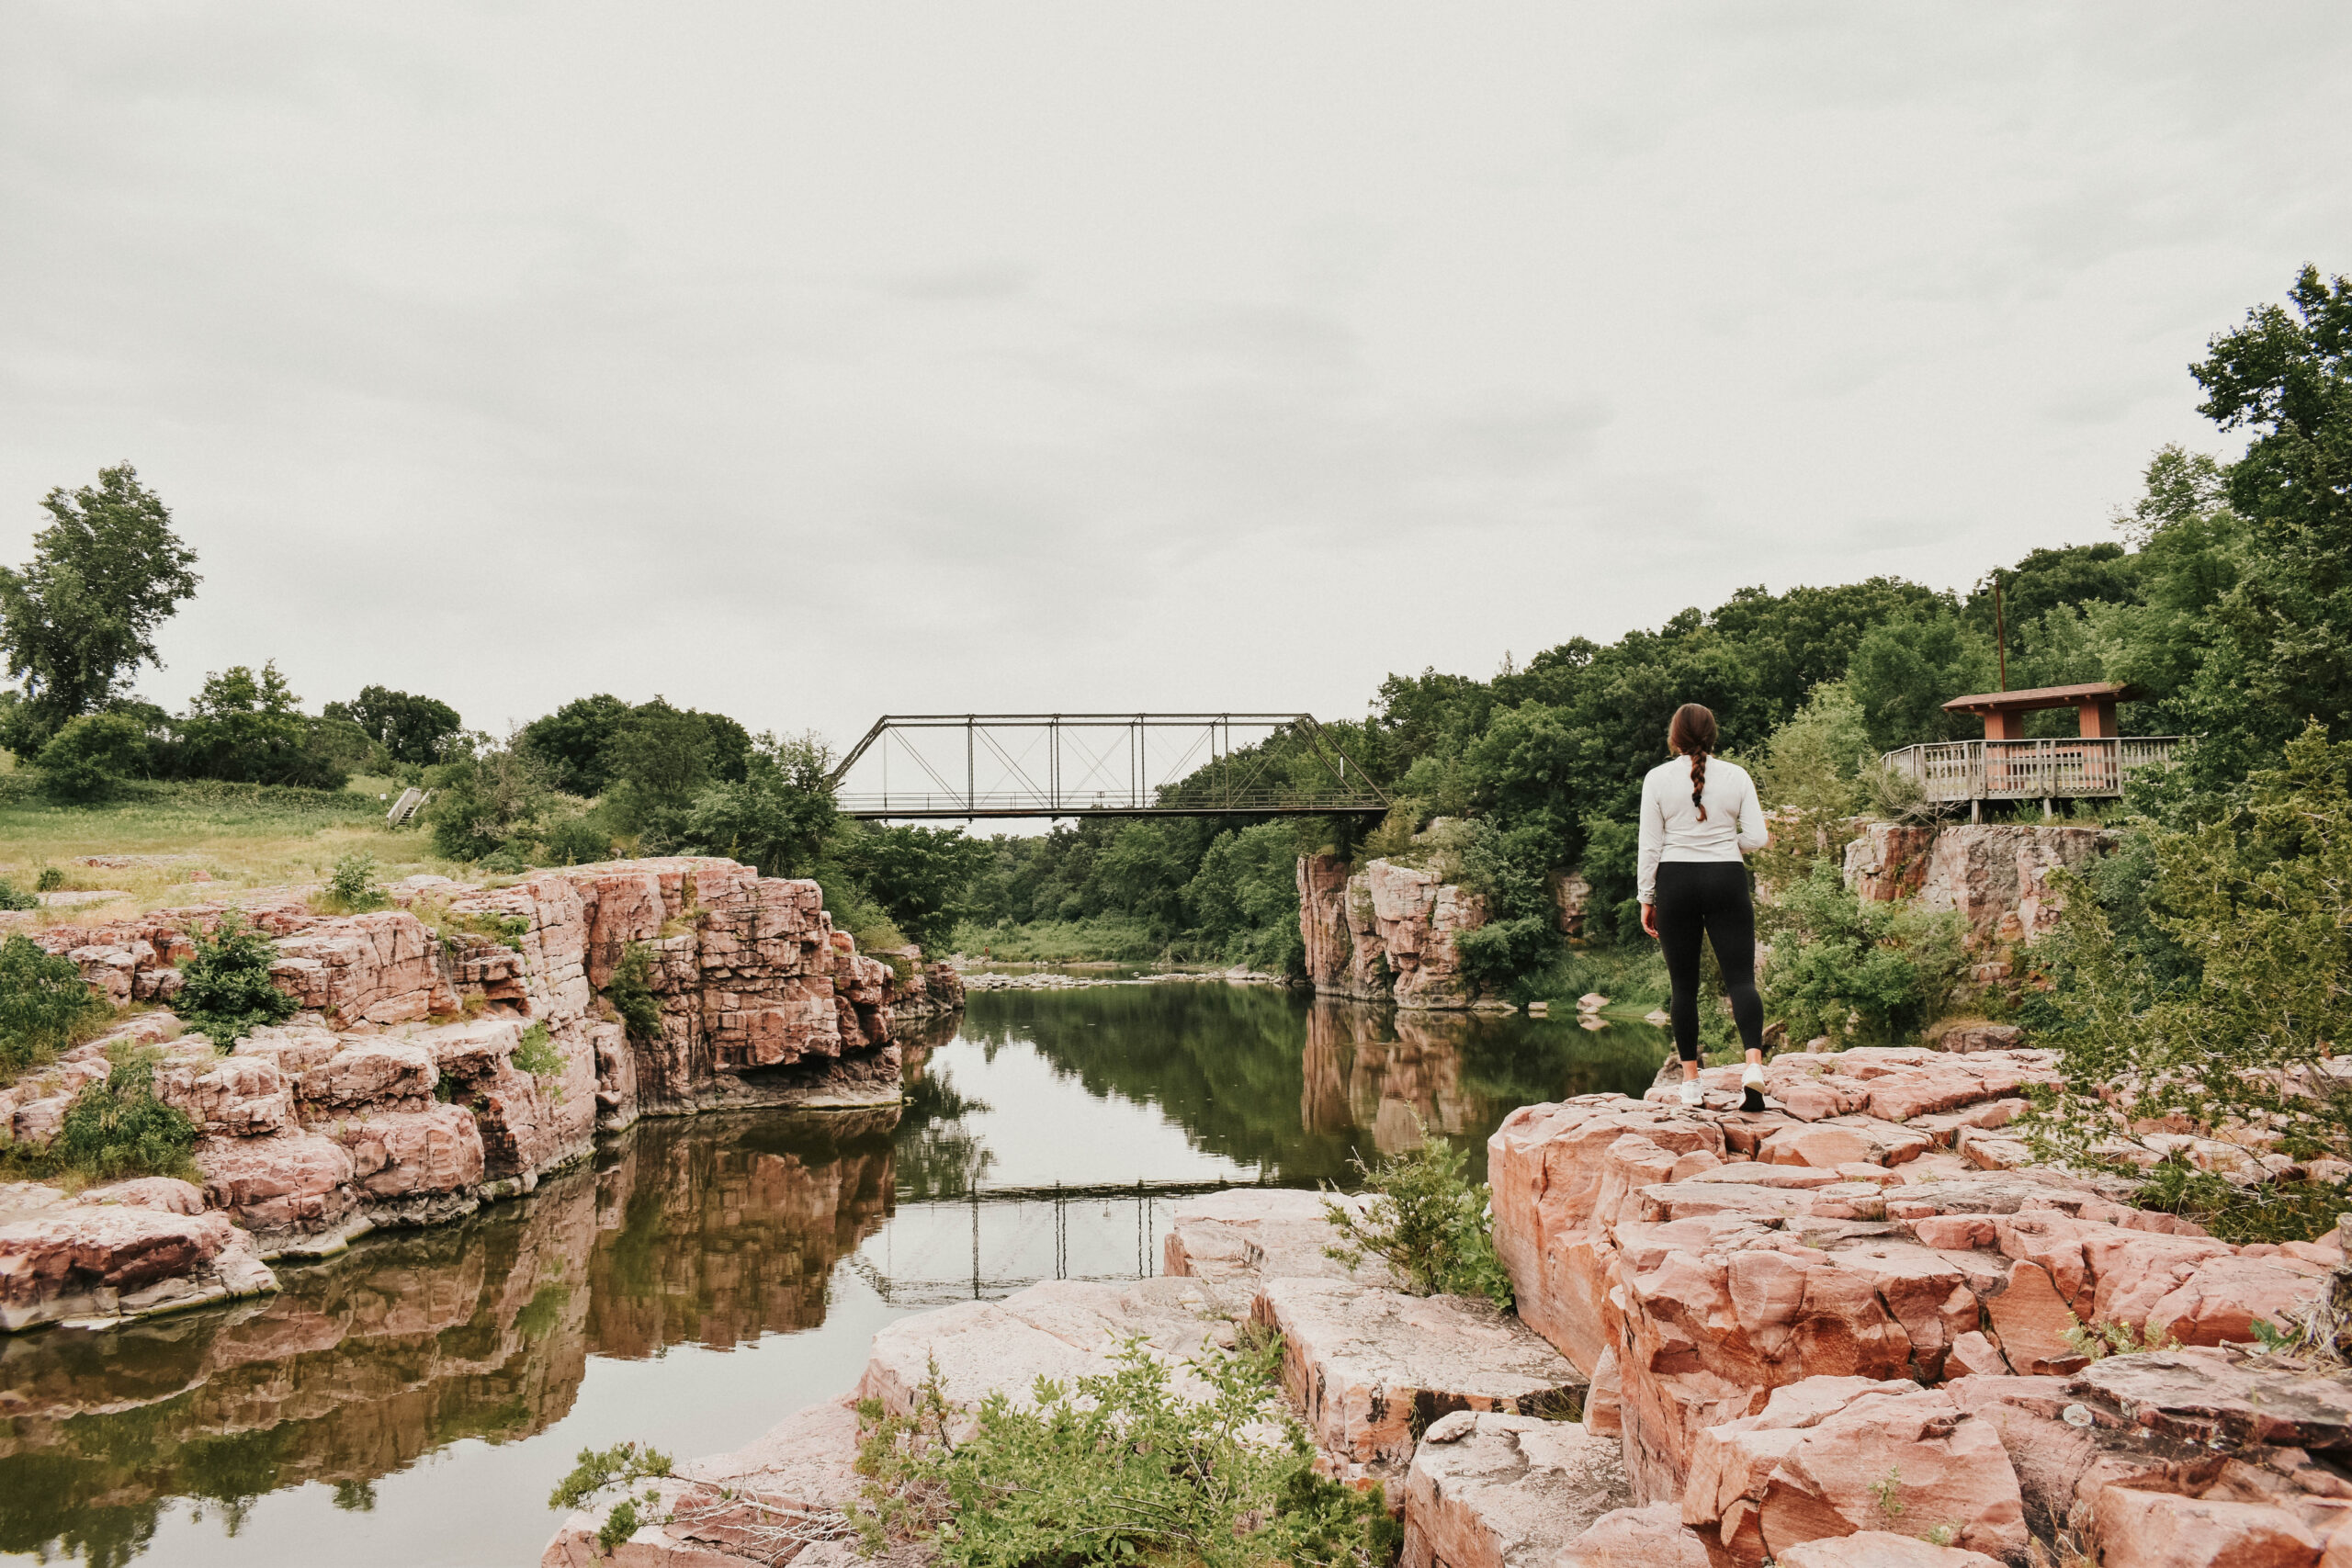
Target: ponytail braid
(1693, 733)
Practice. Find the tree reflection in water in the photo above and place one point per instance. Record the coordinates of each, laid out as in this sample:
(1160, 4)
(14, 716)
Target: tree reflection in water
(718, 1231)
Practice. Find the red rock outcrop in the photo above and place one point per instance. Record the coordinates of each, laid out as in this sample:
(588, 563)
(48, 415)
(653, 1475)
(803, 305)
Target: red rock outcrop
(454, 1048)
(1385, 934)
(1994, 876)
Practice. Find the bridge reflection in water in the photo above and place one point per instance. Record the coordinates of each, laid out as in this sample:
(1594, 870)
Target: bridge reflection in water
(754, 1232)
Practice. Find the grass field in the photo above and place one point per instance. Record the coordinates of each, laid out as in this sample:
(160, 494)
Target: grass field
(243, 835)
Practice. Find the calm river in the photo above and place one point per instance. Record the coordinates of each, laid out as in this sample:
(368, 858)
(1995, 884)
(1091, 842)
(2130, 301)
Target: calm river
(411, 1403)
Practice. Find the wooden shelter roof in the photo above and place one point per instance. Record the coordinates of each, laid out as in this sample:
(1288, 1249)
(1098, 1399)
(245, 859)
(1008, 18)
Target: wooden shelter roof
(2043, 697)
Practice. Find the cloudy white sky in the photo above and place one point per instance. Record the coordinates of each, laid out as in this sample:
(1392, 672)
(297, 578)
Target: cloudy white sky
(808, 361)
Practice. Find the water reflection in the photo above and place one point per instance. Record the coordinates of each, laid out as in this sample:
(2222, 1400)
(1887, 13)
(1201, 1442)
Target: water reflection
(770, 1234)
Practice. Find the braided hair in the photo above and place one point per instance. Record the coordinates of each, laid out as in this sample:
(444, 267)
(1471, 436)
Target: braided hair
(1692, 734)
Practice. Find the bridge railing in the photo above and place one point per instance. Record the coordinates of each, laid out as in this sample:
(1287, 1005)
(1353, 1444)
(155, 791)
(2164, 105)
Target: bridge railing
(2068, 768)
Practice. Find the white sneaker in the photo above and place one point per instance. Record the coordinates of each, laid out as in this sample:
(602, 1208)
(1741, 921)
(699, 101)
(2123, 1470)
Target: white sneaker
(1752, 1088)
(1692, 1095)
(1753, 1077)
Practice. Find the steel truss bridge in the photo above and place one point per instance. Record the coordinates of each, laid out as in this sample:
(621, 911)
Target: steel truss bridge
(970, 765)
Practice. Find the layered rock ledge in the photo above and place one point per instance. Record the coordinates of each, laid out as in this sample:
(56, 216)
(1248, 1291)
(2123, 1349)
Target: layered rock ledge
(451, 1049)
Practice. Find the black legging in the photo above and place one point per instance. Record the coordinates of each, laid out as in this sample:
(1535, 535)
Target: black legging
(1709, 898)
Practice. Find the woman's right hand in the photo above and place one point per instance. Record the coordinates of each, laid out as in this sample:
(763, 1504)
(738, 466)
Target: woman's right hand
(1649, 919)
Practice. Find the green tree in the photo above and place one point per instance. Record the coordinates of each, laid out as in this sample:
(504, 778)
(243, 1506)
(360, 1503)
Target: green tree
(486, 799)
(412, 728)
(571, 742)
(248, 727)
(921, 876)
(1905, 670)
(778, 817)
(1864, 972)
(93, 755)
(80, 617)
(2286, 376)
(660, 757)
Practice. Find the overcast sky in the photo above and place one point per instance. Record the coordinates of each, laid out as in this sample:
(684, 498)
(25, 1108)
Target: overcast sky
(810, 361)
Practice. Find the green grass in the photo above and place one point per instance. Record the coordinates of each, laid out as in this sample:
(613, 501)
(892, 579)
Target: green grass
(1096, 939)
(1632, 977)
(243, 835)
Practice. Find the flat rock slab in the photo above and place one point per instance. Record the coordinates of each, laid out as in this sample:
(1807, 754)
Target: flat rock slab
(2212, 1395)
(1063, 1329)
(1241, 1237)
(1494, 1491)
(1372, 1369)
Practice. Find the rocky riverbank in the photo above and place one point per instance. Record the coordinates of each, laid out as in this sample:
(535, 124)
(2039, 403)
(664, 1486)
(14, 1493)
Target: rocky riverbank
(448, 1050)
(1845, 1330)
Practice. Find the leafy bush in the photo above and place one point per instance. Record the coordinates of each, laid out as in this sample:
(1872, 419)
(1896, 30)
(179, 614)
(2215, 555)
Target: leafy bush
(15, 897)
(45, 1005)
(1426, 1222)
(535, 1053)
(1864, 972)
(487, 800)
(118, 1128)
(50, 880)
(352, 887)
(92, 756)
(1116, 1469)
(576, 841)
(2243, 1041)
(630, 992)
(225, 989)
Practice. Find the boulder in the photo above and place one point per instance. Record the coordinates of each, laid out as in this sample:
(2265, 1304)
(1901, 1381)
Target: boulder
(2219, 1397)
(1653, 1537)
(378, 969)
(379, 1076)
(241, 1095)
(165, 1194)
(1833, 1456)
(62, 1260)
(411, 1154)
(2160, 1529)
(1881, 1549)
(288, 1181)
(1371, 1368)
(1487, 1490)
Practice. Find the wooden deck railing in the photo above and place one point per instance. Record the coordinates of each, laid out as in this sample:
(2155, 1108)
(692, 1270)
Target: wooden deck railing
(2064, 769)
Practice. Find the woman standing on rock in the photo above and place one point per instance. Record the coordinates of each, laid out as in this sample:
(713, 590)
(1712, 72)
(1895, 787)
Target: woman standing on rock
(1699, 816)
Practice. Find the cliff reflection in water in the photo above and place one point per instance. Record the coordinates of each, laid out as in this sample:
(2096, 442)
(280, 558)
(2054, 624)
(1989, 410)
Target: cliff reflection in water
(709, 1231)
(721, 1231)
(1295, 1086)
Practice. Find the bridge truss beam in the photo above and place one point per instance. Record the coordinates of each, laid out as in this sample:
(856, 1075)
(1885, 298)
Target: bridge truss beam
(1097, 765)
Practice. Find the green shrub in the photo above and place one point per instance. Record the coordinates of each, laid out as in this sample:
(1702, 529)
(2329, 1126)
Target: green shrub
(1426, 1222)
(487, 800)
(630, 992)
(1119, 1469)
(576, 841)
(1864, 972)
(15, 897)
(2247, 1030)
(45, 1005)
(50, 880)
(535, 1053)
(225, 989)
(352, 887)
(92, 756)
(118, 1128)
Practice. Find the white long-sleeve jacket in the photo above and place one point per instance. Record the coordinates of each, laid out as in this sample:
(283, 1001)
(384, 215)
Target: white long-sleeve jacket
(1671, 825)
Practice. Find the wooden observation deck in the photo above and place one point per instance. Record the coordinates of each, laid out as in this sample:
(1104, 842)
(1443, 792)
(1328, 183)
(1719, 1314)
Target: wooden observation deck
(2005, 765)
